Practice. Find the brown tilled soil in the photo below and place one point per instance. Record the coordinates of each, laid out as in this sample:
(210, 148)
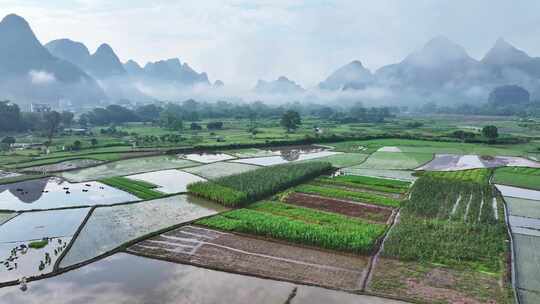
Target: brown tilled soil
(252, 256)
(435, 284)
(368, 212)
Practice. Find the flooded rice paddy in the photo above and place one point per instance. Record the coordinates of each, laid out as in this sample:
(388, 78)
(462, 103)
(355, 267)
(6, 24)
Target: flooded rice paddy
(64, 166)
(523, 207)
(519, 192)
(128, 167)
(29, 226)
(405, 175)
(109, 227)
(18, 260)
(453, 162)
(6, 174)
(115, 280)
(207, 158)
(53, 192)
(31, 242)
(219, 169)
(168, 181)
(295, 155)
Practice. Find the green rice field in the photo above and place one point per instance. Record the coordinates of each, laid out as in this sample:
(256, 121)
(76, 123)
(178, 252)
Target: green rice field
(518, 177)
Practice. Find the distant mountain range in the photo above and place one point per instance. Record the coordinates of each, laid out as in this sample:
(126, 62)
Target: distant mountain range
(65, 71)
(442, 70)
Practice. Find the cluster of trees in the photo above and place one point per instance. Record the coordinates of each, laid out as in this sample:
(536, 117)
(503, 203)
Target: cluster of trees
(508, 100)
(490, 132)
(12, 119)
(356, 113)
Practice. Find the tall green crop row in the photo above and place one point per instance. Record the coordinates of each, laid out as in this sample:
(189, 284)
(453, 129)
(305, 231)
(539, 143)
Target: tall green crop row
(300, 225)
(480, 176)
(236, 190)
(449, 199)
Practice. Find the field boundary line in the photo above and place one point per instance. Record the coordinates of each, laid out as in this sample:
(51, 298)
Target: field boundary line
(373, 261)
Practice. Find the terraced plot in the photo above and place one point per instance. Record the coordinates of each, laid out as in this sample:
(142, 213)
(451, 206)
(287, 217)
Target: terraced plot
(109, 227)
(240, 254)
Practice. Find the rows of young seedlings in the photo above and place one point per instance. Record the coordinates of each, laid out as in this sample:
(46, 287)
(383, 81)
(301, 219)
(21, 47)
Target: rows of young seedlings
(480, 176)
(239, 189)
(450, 222)
(141, 189)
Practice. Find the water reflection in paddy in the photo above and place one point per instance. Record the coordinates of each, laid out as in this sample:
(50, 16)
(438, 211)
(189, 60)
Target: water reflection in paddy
(124, 278)
(109, 227)
(293, 155)
(49, 193)
(127, 167)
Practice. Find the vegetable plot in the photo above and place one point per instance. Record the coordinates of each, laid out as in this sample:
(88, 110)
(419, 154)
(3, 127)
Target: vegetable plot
(239, 189)
(300, 225)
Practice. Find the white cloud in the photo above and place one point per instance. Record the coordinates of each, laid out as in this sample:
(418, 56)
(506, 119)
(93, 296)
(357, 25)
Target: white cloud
(41, 77)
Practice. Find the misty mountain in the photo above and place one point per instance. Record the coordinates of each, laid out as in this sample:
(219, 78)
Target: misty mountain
(440, 63)
(172, 70)
(351, 76)
(503, 58)
(104, 63)
(282, 85)
(133, 68)
(29, 73)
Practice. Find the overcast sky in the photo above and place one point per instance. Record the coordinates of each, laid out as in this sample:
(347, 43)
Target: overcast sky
(240, 41)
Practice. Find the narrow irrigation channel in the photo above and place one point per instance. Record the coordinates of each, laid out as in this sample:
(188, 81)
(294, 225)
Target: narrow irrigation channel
(375, 257)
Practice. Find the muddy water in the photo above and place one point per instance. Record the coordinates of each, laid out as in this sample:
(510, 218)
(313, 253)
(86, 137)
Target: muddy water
(49, 193)
(124, 278)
